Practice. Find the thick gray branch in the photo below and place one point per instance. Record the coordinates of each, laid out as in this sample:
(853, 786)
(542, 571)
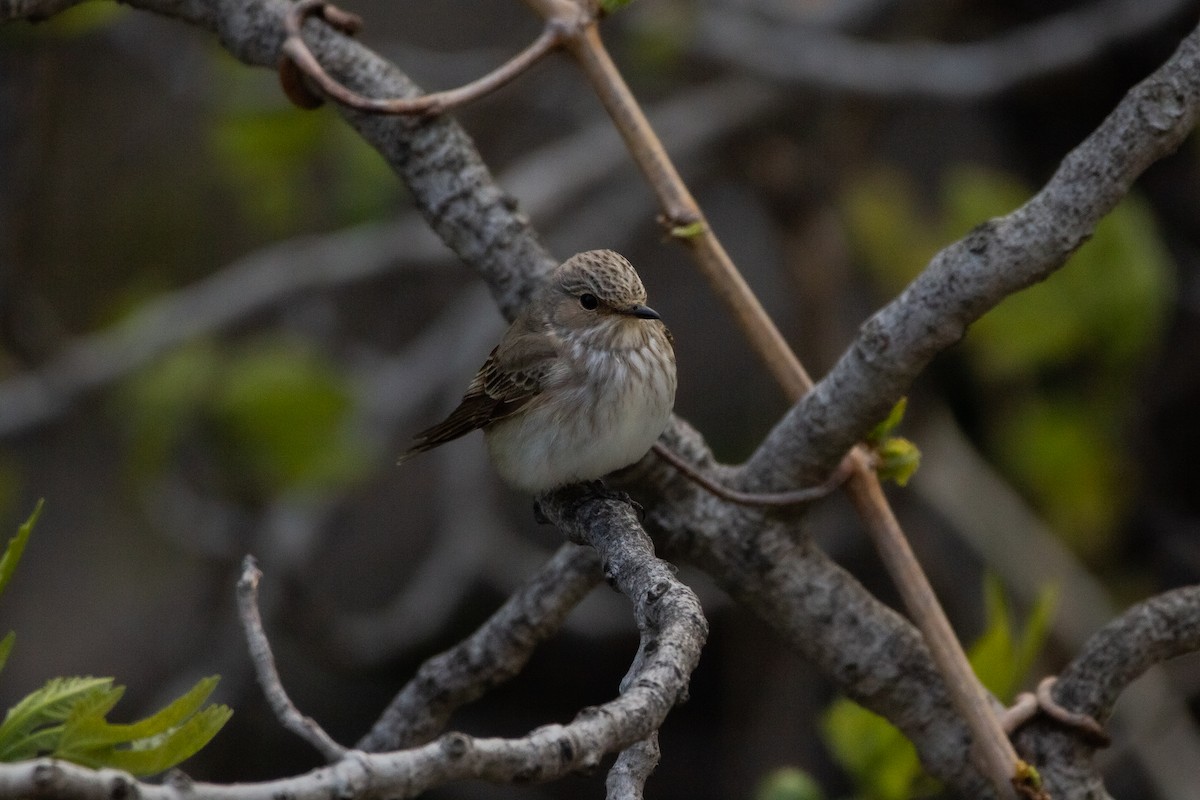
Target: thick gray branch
(968, 278)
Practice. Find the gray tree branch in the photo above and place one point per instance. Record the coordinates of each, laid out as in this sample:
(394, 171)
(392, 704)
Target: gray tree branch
(971, 276)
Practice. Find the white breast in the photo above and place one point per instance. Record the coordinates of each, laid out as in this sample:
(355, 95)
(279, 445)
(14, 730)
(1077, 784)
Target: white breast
(599, 420)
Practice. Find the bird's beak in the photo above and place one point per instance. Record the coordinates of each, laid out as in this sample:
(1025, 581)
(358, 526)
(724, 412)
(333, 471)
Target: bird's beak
(643, 312)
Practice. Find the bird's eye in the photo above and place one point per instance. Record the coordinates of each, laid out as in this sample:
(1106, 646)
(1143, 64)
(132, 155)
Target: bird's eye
(589, 301)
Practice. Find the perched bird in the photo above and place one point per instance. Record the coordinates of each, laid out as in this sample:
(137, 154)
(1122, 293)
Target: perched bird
(581, 384)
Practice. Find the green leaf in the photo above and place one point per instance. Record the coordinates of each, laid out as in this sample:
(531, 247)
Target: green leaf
(879, 759)
(1001, 657)
(49, 705)
(6, 646)
(151, 756)
(890, 423)
(613, 6)
(16, 547)
(789, 783)
(161, 403)
(282, 411)
(689, 231)
(898, 460)
(148, 746)
(87, 729)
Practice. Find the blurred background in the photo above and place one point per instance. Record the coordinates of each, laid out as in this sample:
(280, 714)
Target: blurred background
(220, 321)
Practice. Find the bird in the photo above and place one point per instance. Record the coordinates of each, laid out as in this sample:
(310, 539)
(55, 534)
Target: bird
(581, 384)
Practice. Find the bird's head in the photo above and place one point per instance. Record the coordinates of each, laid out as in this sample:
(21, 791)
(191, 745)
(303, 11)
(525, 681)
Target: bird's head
(598, 292)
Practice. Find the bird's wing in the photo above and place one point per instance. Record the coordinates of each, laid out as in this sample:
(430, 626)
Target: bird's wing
(516, 372)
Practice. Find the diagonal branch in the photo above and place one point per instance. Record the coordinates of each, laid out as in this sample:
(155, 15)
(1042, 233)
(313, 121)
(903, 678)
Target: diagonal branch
(968, 278)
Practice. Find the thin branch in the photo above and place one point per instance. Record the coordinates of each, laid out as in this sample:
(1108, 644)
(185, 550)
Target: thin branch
(826, 59)
(681, 213)
(795, 497)
(268, 676)
(298, 54)
(673, 631)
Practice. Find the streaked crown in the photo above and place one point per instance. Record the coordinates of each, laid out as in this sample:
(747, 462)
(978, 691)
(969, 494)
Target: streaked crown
(607, 275)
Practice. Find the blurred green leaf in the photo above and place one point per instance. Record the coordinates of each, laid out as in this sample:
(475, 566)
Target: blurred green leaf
(6, 646)
(1054, 361)
(270, 415)
(890, 423)
(1065, 453)
(881, 762)
(1107, 305)
(657, 39)
(80, 20)
(161, 403)
(1001, 657)
(282, 412)
(16, 546)
(888, 228)
(899, 460)
(613, 6)
(293, 168)
(788, 783)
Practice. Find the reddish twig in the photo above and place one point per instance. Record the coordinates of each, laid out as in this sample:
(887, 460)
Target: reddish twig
(298, 58)
(756, 499)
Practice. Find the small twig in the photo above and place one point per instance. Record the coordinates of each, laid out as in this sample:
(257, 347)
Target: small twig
(1027, 704)
(268, 676)
(762, 499)
(298, 56)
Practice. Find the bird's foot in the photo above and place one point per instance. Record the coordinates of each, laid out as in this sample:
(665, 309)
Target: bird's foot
(572, 496)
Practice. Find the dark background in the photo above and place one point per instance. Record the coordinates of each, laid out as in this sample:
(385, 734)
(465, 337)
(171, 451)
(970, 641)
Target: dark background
(137, 159)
